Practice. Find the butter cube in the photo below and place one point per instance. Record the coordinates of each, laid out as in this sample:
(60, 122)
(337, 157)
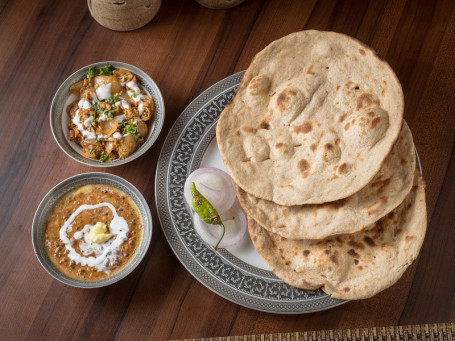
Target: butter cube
(98, 234)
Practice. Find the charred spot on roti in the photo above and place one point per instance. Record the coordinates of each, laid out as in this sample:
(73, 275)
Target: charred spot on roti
(285, 99)
(329, 152)
(352, 253)
(375, 122)
(369, 241)
(309, 71)
(289, 104)
(258, 85)
(362, 52)
(264, 125)
(314, 146)
(334, 258)
(366, 129)
(334, 205)
(343, 168)
(356, 245)
(346, 289)
(381, 183)
(306, 252)
(346, 126)
(248, 129)
(365, 100)
(327, 251)
(286, 186)
(342, 117)
(279, 145)
(334, 177)
(303, 128)
(409, 238)
(356, 261)
(303, 165)
(237, 133)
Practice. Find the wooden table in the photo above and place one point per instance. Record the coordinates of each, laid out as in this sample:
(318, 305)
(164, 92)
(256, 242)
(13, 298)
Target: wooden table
(185, 49)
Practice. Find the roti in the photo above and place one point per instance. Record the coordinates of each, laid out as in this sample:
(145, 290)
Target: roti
(350, 266)
(312, 121)
(383, 193)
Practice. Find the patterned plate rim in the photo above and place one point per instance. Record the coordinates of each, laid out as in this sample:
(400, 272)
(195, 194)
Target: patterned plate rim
(260, 297)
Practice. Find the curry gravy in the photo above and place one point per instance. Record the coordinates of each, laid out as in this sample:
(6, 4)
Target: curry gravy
(74, 216)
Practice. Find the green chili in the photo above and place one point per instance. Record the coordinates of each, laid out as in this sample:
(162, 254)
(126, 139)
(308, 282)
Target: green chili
(206, 211)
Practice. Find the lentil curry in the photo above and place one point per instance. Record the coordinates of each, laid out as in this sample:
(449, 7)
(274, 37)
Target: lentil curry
(93, 232)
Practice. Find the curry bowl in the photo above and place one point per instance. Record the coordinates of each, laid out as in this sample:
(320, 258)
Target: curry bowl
(69, 238)
(109, 106)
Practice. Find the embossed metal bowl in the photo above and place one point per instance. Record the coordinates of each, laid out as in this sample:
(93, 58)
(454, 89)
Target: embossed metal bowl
(59, 119)
(64, 187)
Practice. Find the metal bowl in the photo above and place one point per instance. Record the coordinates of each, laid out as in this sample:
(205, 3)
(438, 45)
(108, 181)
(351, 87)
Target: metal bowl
(59, 119)
(56, 193)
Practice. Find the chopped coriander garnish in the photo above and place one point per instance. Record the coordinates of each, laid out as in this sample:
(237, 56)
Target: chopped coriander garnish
(96, 152)
(91, 72)
(93, 116)
(106, 70)
(130, 129)
(112, 99)
(134, 95)
(104, 157)
(96, 106)
(109, 113)
(99, 139)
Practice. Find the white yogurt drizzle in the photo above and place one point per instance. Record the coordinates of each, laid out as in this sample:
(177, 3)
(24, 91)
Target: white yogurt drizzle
(80, 126)
(103, 91)
(133, 86)
(138, 98)
(106, 253)
(120, 118)
(117, 135)
(125, 104)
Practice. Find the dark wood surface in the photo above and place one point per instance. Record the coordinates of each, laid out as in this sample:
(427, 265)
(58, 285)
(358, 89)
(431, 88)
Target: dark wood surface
(185, 49)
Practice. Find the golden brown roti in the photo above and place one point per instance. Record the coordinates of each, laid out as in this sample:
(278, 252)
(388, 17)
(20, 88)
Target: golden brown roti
(312, 121)
(350, 266)
(385, 191)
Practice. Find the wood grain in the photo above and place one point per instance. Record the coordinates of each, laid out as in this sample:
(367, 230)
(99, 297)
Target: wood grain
(185, 49)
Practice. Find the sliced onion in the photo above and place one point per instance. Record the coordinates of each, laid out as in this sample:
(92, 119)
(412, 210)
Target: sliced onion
(235, 223)
(215, 185)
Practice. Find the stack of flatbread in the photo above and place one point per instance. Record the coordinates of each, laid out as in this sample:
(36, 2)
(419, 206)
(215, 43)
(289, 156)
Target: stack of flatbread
(325, 166)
